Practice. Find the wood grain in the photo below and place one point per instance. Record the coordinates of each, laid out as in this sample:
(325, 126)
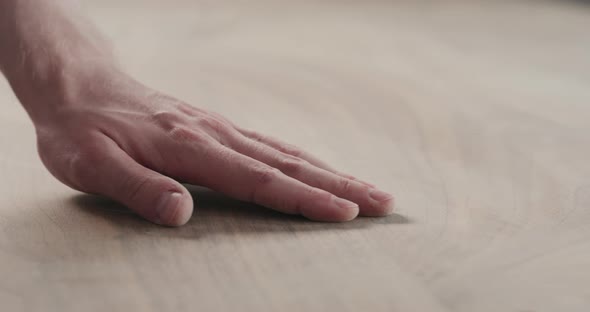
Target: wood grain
(474, 113)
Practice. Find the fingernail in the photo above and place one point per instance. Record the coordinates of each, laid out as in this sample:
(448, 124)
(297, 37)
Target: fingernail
(380, 196)
(167, 207)
(348, 206)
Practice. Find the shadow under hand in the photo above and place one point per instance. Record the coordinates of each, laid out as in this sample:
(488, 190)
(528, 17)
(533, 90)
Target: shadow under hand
(215, 213)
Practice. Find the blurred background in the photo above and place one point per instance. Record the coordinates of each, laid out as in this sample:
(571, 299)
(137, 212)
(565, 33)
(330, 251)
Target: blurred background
(473, 113)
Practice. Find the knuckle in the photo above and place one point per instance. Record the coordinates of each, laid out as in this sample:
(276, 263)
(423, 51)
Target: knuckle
(213, 124)
(187, 109)
(345, 185)
(165, 119)
(258, 137)
(292, 165)
(264, 176)
(290, 149)
(133, 186)
(184, 134)
(221, 118)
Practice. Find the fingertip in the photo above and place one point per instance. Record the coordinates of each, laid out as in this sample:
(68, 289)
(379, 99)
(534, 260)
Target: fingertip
(348, 210)
(336, 210)
(382, 204)
(173, 208)
(386, 208)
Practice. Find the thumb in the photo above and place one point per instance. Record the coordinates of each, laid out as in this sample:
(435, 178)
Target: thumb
(152, 195)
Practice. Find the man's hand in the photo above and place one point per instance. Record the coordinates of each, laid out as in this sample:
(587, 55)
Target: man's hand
(100, 131)
(128, 142)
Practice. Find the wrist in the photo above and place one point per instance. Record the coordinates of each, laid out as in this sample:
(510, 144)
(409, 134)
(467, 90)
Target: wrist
(49, 53)
(44, 92)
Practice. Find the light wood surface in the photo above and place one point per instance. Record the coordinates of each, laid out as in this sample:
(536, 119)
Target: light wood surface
(474, 113)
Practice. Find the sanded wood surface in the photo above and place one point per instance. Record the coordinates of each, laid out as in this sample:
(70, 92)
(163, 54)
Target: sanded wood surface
(475, 114)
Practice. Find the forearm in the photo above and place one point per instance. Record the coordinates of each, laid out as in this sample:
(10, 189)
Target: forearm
(45, 48)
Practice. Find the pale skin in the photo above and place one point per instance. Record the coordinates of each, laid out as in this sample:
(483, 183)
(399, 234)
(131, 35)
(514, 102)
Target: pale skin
(100, 131)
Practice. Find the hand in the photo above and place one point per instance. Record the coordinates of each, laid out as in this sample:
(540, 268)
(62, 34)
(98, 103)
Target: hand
(125, 141)
(99, 131)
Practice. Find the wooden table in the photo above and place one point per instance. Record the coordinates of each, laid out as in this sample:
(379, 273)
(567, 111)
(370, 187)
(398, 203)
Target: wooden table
(474, 113)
